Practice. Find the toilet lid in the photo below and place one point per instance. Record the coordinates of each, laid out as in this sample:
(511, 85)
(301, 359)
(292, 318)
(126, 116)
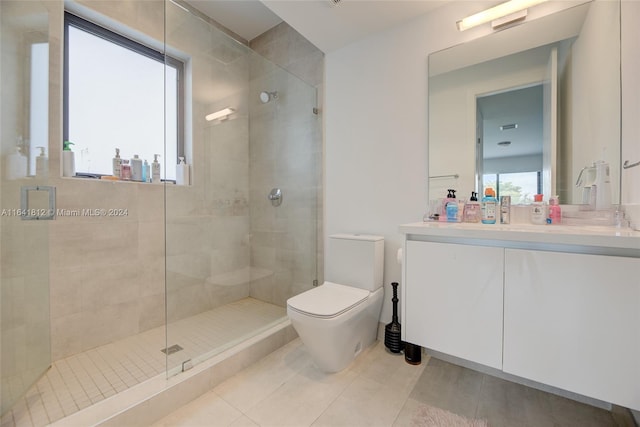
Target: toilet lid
(328, 300)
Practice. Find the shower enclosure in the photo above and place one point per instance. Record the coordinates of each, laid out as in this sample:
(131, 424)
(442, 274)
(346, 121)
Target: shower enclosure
(92, 303)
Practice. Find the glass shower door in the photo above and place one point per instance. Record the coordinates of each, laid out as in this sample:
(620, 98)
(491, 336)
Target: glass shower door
(233, 256)
(24, 199)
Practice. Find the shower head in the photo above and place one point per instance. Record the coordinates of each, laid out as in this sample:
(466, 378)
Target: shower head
(268, 96)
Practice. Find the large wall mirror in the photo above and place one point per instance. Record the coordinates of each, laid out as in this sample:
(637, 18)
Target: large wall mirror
(526, 109)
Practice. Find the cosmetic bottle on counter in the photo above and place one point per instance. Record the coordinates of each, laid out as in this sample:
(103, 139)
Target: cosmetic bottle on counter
(155, 169)
(146, 171)
(125, 171)
(182, 173)
(489, 206)
(555, 212)
(451, 206)
(472, 209)
(451, 197)
(42, 164)
(538, 210)
(505, 209)
(117, 164)
(136, 168)
(68, 159)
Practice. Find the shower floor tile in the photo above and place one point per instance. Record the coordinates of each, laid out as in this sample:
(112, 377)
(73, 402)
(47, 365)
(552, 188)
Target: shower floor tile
(78, 381)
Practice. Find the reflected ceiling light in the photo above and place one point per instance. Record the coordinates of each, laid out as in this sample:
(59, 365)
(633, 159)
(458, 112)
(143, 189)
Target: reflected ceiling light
(222, 114)
(503, 9)
(509, 126)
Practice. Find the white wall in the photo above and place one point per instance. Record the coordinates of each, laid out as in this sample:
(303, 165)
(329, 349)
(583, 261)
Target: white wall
(595, 98)
(376, 129)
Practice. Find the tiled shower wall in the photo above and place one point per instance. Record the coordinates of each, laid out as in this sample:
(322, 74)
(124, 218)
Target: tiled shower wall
(107, 278)
(108, 274)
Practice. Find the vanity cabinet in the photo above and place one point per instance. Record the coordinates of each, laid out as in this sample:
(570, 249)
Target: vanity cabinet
(453, 300)
(558, 306)
(573, 321)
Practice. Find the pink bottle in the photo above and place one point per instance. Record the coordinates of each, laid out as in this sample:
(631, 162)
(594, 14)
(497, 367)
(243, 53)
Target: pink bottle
(555, 213)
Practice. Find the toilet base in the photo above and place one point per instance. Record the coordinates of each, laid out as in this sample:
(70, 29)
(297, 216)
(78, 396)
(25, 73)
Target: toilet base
(335, 342)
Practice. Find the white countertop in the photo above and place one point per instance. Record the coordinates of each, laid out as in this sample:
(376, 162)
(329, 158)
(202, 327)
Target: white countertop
(600, 236)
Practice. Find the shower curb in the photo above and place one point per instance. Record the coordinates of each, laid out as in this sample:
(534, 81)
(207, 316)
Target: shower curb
(159, 396)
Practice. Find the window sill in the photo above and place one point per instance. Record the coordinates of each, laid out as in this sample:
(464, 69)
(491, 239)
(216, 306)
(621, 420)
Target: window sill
(120, 181)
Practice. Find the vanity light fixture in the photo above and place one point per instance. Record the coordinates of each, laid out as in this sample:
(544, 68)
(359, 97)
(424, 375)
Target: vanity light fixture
(222, 114)
(504, 143)
(511, 7)
(509, 126)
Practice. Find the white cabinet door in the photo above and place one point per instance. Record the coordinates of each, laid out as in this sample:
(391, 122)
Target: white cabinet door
(453, 300)
(573, 321)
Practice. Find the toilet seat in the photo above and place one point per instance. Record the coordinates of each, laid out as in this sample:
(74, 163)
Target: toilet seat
(327, 301)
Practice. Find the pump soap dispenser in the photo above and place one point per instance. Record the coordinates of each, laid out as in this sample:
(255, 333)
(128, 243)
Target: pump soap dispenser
(155, 169)
(451, 206)
(182, 173)
(472, 209)
(117, 165)
(68, 159)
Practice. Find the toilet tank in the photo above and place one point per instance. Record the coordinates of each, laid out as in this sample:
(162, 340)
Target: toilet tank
(355, 260)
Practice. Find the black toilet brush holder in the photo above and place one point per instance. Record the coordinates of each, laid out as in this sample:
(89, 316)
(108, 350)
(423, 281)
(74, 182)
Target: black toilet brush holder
(392, 331)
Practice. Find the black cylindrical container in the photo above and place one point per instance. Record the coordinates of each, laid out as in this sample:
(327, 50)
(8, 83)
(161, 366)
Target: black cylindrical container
(392, 332)
(412, 353)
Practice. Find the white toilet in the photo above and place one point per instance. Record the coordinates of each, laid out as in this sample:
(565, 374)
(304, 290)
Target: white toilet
(339, 319)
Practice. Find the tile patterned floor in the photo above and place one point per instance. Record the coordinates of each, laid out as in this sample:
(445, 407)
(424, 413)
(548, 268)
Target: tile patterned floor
(378, 389)
(76, 382)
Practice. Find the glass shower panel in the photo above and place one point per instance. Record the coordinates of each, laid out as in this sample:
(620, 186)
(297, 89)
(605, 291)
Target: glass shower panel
(284, 176)
(24, 245)
(233, 258)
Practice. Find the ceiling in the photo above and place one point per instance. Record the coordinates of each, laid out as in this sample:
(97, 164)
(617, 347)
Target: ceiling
(328, 25)
(522, 107)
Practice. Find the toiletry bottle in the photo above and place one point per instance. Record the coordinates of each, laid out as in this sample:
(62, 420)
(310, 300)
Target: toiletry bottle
(460, 210)
(42, 164)
(155, 169)
(182, 173)
(538, 210)
(117, 164)
(68, 159)
(505, 209)
(489, 206)
(472, 209)
(125, 171)
(136, 168)
(451, 206)
(16, 165)
(451, 197)
(146, 171)
(555, 212)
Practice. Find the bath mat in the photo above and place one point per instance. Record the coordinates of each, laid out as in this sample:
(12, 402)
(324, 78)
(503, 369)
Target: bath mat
(429, 416)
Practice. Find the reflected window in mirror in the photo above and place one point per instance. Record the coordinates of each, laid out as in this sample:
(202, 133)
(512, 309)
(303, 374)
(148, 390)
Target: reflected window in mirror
(520, 186)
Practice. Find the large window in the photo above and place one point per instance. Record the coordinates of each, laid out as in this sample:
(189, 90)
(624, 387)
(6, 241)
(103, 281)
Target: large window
(120, 94)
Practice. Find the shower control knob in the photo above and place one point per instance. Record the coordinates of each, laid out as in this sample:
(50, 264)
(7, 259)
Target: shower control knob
(275, 195)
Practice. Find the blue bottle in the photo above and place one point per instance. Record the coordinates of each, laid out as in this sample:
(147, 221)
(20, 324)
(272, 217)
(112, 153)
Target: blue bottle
(451, 206)
(489, 206)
